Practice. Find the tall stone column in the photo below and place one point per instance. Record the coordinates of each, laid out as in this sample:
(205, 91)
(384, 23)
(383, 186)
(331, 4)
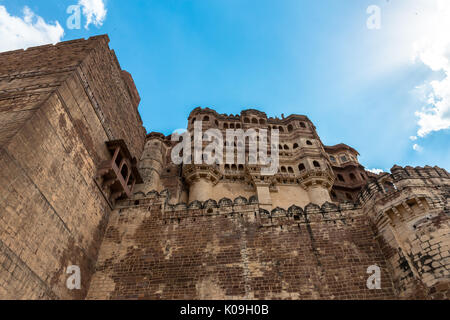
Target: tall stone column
(151, 165)
(200, 189)
(201, 180)
(318, 194)
(262, 186)
(264, 198)
(318, 183)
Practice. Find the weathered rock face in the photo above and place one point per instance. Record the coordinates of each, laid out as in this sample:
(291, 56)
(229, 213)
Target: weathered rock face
(58, 106)
(236, 251)
(73, 192)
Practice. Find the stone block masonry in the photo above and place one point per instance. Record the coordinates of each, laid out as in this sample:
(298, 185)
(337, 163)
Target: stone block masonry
(237, 251)
(58, 106)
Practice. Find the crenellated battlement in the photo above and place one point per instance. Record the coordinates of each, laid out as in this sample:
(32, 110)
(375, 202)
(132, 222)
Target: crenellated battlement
(387, 185)
(427, 172)
(312, 213)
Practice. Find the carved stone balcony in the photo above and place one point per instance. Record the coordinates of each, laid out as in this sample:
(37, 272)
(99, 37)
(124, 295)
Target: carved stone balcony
(316, 177)
(193, 172)
(118, 176)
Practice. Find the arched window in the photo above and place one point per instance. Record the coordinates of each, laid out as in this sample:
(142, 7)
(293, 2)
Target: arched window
(333, 195)
(238, 125)
(290, 128)
(316, 164)
(241, 167)
(255, 121)
(344, 158)
(281, 129)
(246, 120)
(290, 170)
(217, 123)
(193, 120)
(309, 143)
(234, 167)
(206, 119)
(295, 145)
(333, 159)
(262, 121)
(349, 196)
(286, 147)
(389, 186)
(340, 178)
(301, 167)
(283, 169)
(302, 124)
(225, 125)
(280, 147)
(227, 167)
(352, 177)
(231, 125)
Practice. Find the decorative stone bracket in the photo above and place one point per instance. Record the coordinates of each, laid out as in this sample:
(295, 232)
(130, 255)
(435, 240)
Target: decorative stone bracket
(118, 176)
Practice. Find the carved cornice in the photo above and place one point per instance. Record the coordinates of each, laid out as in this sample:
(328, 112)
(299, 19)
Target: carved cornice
(194, 172)
(311, 178)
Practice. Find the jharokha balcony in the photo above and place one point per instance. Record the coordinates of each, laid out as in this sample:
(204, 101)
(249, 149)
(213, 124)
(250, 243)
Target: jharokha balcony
(118, 176)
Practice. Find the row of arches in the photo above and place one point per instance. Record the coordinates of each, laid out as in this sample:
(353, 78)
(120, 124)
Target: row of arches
(254, 121)
(341, 196)
(290, 127)
(234, 167)
(280, 146)
(247, 120)
(282, 169)
(343, 158)
(301, 167)
(352, 177)
(294, 146)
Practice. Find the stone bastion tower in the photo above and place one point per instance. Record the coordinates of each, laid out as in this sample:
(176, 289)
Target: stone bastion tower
(83, 184)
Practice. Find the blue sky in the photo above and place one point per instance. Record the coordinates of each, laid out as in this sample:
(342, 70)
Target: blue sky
(359, 86)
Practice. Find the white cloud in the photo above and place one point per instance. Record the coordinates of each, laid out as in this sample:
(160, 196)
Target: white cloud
(433, 50)
(413, 138)
(95, 12)
(417, 148)
(28, 31)
(376, 171)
